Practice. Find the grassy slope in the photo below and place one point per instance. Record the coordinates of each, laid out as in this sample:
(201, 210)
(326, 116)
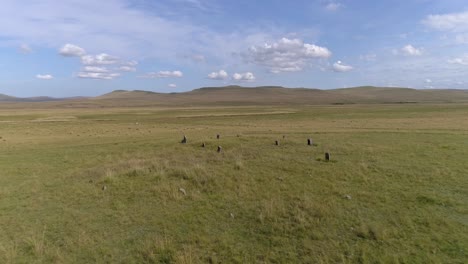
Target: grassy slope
(232, 95)
(238, 96)
(386, 95)
(235, 95)
(4, 97)
(403, 166)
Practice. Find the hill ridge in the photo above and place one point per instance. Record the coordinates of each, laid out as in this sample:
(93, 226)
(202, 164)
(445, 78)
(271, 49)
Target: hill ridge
(262, 95)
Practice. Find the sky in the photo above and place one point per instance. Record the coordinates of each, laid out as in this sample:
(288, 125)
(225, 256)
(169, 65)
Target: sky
(88, 47)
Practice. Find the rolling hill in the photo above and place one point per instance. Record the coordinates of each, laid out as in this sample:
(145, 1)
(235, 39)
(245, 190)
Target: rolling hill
(264, 95)
(236, 95)
(369, 94)
(7, 98)
(231, 95)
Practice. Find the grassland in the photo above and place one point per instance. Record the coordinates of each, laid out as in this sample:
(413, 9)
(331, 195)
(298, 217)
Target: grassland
(396, 190)
(244, 96)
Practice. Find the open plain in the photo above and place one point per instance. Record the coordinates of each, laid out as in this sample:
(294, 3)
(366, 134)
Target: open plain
(115, 185)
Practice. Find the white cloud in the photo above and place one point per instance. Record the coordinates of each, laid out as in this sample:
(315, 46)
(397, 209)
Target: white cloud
(164, 74)
(340, 67)
(70, 50)
(172, 85)
(95, 69)
(409, 50)
(120, 28)
(286, 55)
(25, 49)
(248, 77)
(128, 31)
(130, 63)
(44, 76)
(453, 25)
(93, 64)
(448, 22)
(127, 69)
(98, 75)
(98, 72)
(463, 60)
(100, 59)
(221, 75)
(428, 81)
(333, 6)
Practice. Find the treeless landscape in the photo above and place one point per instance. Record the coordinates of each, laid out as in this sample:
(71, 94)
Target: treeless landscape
(106, 179)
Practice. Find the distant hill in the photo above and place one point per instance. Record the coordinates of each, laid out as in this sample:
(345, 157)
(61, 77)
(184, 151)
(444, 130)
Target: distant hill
(229, 95)
(264, 95)
(123, 94)
(236, 95)
(4, 97)
(370, 94)
(7, 98)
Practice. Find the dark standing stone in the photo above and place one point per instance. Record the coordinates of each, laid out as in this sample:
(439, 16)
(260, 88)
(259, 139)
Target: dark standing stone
(184, 140)
(277, 143)
(203, 145)
(284, 136)
(217, 136)
(220, 148)
(309, 142)
(327, 156)
(104, 188)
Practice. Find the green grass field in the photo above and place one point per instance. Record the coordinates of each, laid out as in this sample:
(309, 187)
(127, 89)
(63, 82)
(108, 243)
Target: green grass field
(395, 190)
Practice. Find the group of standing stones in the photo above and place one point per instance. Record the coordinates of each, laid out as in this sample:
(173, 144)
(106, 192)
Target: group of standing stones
(309, 143)
(277, 143)
(184, 141)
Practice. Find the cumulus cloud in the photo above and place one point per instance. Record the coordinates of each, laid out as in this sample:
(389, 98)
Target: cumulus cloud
(70, 50)
(44, 76)
(172, 85)
(333, 6)
(453, 25)
(100, 59)
(220, 75)
(130, 63)
(128, 66)
(247, 76)
(25, 49)
(120, 28)
(97, 72)
(95, 69)
(463, 60)
(409, 50)
(286, 55)
(127, 69)
(94, 64)
(164, 74)
(340, 67)
(448, 22)
(428, 81)
(98, 75)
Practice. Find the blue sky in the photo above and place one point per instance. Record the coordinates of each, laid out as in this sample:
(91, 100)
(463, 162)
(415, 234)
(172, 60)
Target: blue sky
(89, 47)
